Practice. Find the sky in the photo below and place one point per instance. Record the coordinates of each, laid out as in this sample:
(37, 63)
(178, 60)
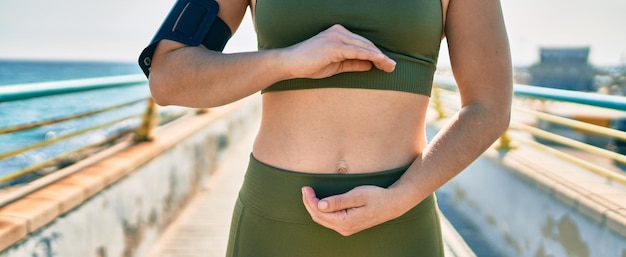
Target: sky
(117, 30)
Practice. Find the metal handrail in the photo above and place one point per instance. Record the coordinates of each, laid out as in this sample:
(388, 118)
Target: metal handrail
(27, 91)
(32, 90)
(41, 123)
(568, 142)
(56, 159)
(447, 85)
(608, 174)
(592, 99)
(520, 90)
(41, 144)
(109, 144)
(573, 123)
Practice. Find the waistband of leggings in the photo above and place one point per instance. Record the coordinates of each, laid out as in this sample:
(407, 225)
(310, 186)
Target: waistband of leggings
(276, 193)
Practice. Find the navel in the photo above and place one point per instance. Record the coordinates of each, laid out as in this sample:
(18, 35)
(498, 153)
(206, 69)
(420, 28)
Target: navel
(341, 167)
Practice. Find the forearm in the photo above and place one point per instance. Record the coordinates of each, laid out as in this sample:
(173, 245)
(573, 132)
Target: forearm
(196, 77)
(460, 142)
(463, 139)
(481, 61)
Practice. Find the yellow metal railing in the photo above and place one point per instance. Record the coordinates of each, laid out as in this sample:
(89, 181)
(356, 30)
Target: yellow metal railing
(444, 101)
(146, 120)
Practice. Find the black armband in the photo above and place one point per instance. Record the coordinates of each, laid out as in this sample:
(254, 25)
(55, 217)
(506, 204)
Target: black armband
(191, 22)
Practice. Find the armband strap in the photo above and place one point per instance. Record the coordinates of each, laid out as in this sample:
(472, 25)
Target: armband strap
(191, 22)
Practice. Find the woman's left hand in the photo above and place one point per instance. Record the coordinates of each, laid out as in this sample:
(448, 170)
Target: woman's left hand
(356, 210)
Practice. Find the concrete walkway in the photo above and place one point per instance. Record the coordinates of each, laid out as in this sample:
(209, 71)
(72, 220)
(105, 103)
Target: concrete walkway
(202, 228)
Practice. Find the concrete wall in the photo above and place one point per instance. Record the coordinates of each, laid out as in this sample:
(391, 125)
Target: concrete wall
(125, 213)
(535, 210)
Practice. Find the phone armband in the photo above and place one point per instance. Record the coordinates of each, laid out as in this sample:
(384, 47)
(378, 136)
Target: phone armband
(193, 23)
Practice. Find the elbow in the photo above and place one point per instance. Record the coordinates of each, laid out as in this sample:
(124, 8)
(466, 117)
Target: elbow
(163, 78)
(507, 107)
(500, 111)
(159, 99)
(494, 119)
(504, 122)
(502, 118)
(160, 89)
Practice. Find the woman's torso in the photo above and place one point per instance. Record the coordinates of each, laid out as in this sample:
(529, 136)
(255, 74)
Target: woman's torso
(353, 130)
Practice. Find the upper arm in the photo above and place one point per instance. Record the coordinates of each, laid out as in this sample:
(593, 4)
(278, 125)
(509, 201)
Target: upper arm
(479, 51)
(231, 12)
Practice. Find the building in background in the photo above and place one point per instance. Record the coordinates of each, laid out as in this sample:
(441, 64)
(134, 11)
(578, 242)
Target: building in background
(563, 68)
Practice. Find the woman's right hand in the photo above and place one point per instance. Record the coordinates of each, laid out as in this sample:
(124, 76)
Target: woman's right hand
(334, 51)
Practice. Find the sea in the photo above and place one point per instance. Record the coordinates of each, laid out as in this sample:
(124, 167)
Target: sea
(13, 113)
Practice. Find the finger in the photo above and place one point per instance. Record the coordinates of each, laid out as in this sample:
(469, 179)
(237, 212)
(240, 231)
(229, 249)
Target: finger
(385, 64)
(379, 60)
(310, 204)
(347, 37)
(309, 199)
(355, 65)
(354, 46)
(335, 203)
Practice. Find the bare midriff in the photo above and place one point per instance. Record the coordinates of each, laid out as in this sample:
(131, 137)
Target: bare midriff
(339, 130)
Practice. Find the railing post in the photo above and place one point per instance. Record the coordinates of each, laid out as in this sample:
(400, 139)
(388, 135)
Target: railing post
(202, 110)
(436, 98)
(147, 122)
(504, 143)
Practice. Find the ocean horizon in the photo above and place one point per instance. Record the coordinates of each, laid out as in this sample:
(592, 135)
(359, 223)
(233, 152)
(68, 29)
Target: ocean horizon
(19, 71)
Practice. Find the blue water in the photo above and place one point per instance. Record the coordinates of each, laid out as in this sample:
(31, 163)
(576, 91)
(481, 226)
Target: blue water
(37, 109)
(29, 71)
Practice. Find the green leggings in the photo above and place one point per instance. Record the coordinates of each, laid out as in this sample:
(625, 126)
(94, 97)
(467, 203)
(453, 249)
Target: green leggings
(270, 219)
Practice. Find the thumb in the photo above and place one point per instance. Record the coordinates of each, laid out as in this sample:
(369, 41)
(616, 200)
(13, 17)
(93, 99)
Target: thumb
(349, 200)
(354, 66)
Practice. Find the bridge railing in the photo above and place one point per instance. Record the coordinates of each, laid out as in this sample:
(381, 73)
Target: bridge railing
(556, 122)
(139, 122)
(32, 147)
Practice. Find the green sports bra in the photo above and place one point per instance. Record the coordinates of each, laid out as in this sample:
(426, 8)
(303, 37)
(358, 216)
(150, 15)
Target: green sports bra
(408, 31)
